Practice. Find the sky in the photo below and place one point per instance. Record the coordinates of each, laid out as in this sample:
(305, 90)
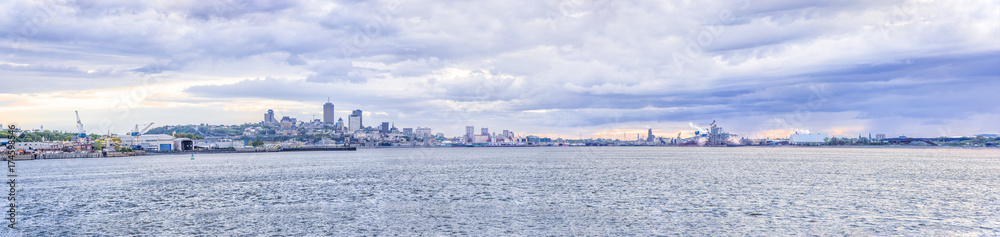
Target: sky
(558, 68)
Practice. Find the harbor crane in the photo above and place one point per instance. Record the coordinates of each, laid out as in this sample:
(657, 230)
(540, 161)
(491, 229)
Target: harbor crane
(82, 135)
(136, 133)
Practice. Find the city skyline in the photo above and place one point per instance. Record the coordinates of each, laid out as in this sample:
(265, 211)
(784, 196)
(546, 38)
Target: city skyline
(566, 69)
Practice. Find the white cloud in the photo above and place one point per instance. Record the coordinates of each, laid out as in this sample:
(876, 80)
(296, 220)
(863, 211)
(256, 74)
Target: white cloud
(587, 63)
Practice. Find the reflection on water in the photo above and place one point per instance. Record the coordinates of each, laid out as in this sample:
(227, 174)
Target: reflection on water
(520, 191)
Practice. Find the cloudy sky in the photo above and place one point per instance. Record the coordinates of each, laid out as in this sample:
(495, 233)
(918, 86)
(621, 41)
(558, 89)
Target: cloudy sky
(564, 68)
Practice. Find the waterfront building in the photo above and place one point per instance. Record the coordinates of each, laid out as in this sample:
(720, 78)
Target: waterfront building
(408, 131)
(469, 132)
(485, 131)
(649, 136)
(154, 142)
(30, 147)
(339, 126)
(803, 139)
(480, 139)
(328, 113)
(183, 144)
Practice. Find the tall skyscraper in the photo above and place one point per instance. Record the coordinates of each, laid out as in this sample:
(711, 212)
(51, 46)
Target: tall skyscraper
(470, 132)
(485, 131)
(328, 113)
(354, 121)
(650, 137)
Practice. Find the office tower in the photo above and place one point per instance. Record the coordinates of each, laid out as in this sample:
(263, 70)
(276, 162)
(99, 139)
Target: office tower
(328, 113)
(357, 113)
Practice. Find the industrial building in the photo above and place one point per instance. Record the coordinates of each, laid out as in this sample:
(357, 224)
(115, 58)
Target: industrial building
(152, 142)
(183, 144)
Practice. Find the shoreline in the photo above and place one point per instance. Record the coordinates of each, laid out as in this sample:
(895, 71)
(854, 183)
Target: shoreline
(21, 157)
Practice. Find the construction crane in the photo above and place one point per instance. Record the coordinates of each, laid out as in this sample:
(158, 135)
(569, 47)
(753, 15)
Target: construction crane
(79, 127)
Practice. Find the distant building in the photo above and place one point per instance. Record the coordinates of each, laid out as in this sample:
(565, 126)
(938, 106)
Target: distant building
(354, 121)
(393, 129)
(533, 139)
(183, 144)
(480, 138)
(408, 131)
(269, 118)
(649, 136)
(485, 131)
(155, 142)
(339, 126)
(384, 128)
(287, 132)
(328, 113)
(803, 139)
(287, 122)
(469, 132)
(508, 134)
(35, 146)
(423, 132)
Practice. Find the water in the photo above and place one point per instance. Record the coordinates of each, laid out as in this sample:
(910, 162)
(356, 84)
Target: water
(518, 191)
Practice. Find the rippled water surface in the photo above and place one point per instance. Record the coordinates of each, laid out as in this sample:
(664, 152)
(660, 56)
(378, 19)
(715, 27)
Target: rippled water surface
(518, 191)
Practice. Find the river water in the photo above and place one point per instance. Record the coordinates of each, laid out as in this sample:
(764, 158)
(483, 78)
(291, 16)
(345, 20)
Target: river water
(563, 191)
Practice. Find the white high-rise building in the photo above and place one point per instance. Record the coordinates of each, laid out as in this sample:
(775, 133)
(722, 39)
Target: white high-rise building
(354, 123)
